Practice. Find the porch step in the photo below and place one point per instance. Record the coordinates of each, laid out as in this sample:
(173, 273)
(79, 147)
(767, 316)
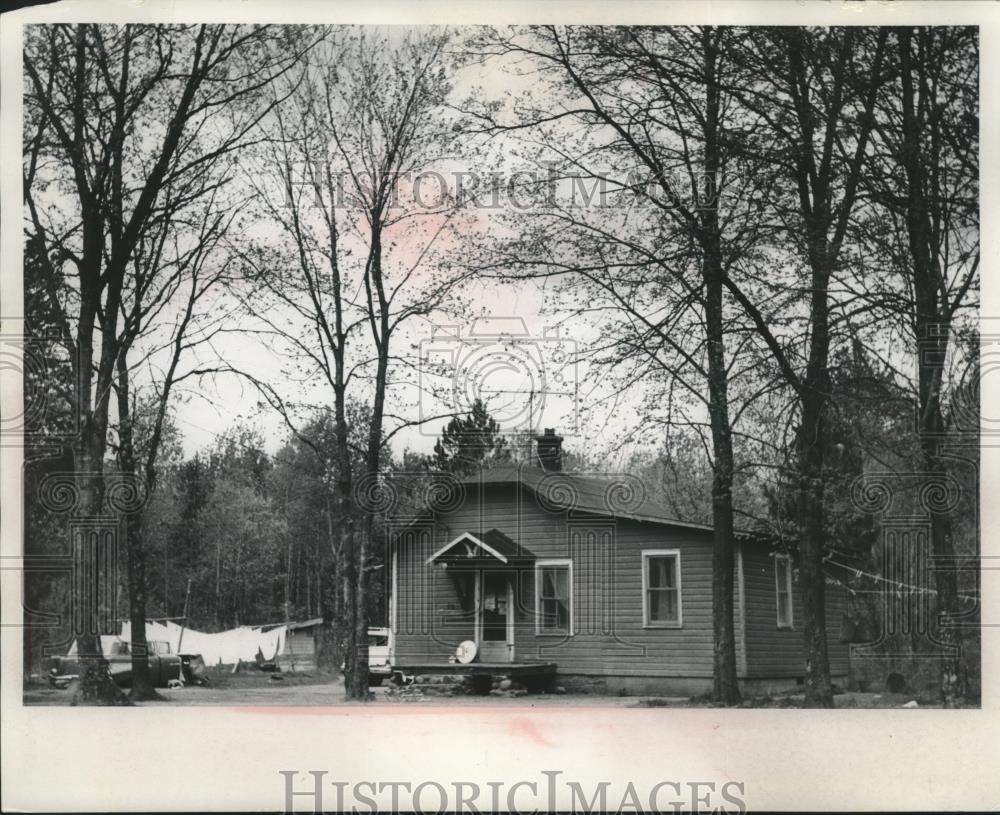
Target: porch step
(459, 685)
(433, 685)
(512, 669)
(506, 686)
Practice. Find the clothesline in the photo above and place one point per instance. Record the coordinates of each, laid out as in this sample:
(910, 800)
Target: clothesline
(898, 585)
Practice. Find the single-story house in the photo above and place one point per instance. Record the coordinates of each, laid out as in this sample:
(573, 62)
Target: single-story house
(589, 578)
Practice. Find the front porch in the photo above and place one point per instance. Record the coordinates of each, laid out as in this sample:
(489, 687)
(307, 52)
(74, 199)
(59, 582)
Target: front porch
(519, 670)
(476, 678)
(486, 574)
(474, 619)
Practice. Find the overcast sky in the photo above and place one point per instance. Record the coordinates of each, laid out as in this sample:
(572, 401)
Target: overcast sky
(535, 372)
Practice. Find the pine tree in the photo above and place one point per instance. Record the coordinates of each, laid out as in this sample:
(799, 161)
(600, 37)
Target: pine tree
(471, 442)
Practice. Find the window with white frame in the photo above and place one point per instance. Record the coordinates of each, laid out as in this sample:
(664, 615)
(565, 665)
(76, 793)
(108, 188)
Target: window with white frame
(783, 589)
(554, 597)
(661, 588)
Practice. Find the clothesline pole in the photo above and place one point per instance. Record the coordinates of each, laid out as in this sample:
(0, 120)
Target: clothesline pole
(180, 639)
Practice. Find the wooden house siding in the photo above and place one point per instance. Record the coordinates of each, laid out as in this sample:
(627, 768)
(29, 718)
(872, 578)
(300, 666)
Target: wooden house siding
(776, 652)
(609, 637)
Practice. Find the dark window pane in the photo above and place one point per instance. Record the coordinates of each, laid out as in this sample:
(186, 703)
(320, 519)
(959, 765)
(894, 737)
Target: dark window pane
(783, 614)
(662, 605)
(784, 598)
(562, 583)
(553, 605)
(662, 572)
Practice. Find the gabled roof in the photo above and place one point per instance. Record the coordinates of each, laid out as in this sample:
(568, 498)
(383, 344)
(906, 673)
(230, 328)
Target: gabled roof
(617, 496)
(493, 543)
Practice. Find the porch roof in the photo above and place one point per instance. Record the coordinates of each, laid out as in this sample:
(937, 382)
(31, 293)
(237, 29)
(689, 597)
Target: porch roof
(490, 545)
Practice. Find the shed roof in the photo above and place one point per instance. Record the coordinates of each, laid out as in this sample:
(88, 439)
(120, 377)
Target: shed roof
(304, 623)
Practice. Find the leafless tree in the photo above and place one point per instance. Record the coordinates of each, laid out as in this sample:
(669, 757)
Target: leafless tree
(176, 273)
(815, 91)
(124, 129)
(647, 115)
(922, 230)
(359, 260)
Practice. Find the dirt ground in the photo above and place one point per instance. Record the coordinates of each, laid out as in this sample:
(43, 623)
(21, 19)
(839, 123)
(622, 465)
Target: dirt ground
(257, 690)
(325, 694)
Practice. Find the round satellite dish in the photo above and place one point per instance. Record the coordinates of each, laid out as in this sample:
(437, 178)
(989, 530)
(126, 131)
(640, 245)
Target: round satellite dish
(466, 652)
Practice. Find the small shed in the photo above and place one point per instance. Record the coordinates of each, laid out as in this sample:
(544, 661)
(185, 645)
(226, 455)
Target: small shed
(299, 650)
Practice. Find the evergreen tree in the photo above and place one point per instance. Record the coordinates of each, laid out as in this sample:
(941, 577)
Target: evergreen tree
(471, 442)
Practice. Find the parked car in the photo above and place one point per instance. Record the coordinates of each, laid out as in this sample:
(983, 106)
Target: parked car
(378, 655)
(163, 665)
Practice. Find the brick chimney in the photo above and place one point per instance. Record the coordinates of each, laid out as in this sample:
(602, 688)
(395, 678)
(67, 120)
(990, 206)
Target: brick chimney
(550, 450)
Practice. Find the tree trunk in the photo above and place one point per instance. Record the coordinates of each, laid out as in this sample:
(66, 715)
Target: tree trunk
(142, 685)
(357, 666)
(329, 596)
(932, 324)
(218, 584)
(952, 678)
(327, 655)
(825, 225)
(348, 627)
(96, 685)
(725, 685)
(287, 604)
(809, 443)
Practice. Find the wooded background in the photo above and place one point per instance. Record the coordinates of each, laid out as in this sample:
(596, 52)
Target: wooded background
(771, 267)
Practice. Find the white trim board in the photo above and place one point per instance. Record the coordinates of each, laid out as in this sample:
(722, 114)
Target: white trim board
(646, 555)
(466, 536)
(558, 562)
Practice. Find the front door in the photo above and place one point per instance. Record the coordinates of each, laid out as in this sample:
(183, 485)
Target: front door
(496, 629)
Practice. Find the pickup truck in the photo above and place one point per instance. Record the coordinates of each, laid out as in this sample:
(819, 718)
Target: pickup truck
(163, 665)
